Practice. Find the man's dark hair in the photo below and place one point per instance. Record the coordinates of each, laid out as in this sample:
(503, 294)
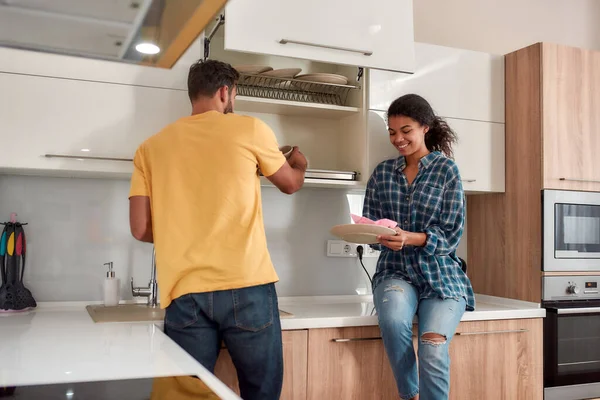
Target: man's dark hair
(206, 77)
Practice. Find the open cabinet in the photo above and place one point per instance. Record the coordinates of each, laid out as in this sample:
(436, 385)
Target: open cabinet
(326, 121)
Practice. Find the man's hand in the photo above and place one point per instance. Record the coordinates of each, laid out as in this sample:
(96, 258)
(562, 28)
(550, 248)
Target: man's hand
(297, 160)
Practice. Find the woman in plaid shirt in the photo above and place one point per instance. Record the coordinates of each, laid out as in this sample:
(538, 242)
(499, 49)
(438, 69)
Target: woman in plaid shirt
(418, 272)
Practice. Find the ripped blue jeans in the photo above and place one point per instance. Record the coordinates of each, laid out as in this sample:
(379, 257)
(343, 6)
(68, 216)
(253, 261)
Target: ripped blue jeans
(397, 303)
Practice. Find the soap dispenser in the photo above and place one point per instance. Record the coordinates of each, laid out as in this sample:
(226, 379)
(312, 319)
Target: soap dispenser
(111, 287)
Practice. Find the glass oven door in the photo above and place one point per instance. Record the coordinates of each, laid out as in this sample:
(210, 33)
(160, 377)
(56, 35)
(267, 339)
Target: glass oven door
(572, 345)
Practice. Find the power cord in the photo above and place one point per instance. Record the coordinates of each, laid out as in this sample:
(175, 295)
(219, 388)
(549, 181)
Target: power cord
(359, 251)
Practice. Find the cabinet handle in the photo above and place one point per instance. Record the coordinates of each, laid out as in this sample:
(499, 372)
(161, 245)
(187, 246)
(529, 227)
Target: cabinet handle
(579, 180)
(87, 157)
(324, 46)
(469, 180)
(362, 339)
(492, 332)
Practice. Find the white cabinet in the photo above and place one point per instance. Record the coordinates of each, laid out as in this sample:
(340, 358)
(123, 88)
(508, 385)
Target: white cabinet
(375, 34)
(479, 152)
(457, 83)
(42, 115)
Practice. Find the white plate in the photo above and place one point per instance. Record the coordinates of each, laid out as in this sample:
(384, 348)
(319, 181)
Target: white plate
(324, 78)
(252, 69)
(283, 73)
(361, 233)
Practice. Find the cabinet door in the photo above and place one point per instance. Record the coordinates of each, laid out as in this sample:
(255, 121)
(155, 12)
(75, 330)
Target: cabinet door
(457, 83)
(295, 359)
(345, 363)
(376, 34)
(571, 121)
(42, 115)
(479, 154)
(497, 360)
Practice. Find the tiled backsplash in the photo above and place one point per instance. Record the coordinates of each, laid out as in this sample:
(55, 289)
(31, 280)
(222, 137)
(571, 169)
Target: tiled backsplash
(76, 225)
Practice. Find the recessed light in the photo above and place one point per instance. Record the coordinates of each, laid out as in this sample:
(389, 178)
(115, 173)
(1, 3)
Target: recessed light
(147, 48)
(85, 150)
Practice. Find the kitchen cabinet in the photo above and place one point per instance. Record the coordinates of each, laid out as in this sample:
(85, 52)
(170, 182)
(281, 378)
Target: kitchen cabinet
(375, 34)
(43, 115)
(345, 363)
(479, 152)
(552, 120)
(460, 84)
(295, 359)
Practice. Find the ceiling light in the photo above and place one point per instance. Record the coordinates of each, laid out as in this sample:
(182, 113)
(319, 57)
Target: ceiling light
(147, 48)
(85, 150)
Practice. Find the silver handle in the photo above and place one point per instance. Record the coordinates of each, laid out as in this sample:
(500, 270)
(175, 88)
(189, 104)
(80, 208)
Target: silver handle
(579, 180)
(469, 180)
(325, 46)
(365, 339)
(492, 332)
(87, 157)
(583, 310)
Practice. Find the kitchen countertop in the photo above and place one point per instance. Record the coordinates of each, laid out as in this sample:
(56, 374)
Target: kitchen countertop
(345, 311)
(59, 342)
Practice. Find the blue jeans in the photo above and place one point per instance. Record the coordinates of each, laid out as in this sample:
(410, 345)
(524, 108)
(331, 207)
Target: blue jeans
(247, 321)
(397, 302)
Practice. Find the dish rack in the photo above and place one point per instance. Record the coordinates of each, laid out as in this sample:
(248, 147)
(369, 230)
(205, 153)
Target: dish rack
(269, 87)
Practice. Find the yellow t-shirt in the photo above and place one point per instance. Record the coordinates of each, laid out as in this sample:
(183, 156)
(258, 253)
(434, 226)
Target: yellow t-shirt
(201, 176)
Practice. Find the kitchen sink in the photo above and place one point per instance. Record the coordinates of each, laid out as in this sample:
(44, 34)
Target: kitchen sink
(135, 313)
(125, 313)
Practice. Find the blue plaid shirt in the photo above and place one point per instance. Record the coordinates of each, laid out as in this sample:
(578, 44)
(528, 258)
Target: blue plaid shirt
(433, 204)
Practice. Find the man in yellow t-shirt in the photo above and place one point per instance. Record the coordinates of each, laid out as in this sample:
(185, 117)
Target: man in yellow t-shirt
(195, 194)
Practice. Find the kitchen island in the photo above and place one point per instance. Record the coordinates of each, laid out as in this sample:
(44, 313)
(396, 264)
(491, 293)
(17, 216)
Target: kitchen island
(327, 341)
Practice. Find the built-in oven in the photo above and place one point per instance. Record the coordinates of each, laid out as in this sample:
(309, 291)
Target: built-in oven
(571, 337)
(571, 226)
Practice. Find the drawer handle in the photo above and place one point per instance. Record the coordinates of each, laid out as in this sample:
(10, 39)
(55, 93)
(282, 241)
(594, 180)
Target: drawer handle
(87, 157)
(365, 339)
(469, 180)
(492, 332)
(579, 180)
(324, 46)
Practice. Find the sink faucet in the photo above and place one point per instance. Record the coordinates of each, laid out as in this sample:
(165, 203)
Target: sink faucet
(151, 290)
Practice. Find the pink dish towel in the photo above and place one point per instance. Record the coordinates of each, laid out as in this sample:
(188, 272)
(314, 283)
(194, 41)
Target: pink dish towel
(388, 223)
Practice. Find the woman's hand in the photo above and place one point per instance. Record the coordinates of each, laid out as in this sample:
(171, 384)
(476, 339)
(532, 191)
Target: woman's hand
(396, 242)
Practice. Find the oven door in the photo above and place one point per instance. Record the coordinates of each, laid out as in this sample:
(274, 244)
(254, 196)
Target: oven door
(571, 229)
(572, 351)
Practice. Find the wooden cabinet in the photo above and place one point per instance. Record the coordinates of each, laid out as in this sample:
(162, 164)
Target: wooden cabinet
(479, 152)
(295, 359)
(80, 119)
(497, 360)
(376, 34)
(459, 84)
(552, 142)
(345, 363)
(570, 93)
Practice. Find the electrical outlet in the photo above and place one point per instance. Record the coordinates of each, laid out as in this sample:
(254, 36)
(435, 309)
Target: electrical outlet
(340, 248)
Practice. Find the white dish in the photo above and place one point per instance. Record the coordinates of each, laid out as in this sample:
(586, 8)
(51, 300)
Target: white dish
(252, 69)
(288, 73)
(361, 233)
(324, 78)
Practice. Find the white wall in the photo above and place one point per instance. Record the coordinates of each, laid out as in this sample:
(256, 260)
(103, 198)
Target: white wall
(502, 26)
(76, 225)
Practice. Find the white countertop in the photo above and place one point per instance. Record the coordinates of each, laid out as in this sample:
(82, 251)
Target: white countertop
(345, 311)
(59, 342)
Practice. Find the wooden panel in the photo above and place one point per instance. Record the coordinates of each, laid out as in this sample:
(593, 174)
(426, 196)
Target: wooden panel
(571, 101)
(348, 370)
(295, 359)
(498, 365)
(504, 231)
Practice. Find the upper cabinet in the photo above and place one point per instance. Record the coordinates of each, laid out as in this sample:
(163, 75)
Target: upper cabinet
(553, 95)
(374, 34)
(458, 83)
